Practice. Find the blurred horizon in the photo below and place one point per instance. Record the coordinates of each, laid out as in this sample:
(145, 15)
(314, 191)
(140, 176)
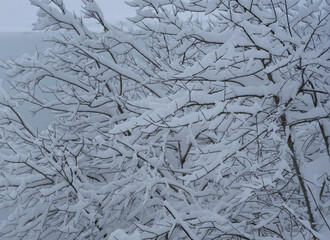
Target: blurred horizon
(19, 15)
(18, 38)
(14, 45)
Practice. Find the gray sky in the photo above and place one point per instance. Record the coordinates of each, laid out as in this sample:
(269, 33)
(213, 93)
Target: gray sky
(18, 15)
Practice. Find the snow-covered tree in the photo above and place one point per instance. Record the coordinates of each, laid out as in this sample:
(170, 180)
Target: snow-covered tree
(206, 119)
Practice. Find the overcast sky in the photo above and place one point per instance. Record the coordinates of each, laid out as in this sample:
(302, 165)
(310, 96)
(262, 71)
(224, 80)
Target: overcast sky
(18, 15)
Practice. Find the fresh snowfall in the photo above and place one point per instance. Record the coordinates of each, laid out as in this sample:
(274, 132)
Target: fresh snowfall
(198, 120)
